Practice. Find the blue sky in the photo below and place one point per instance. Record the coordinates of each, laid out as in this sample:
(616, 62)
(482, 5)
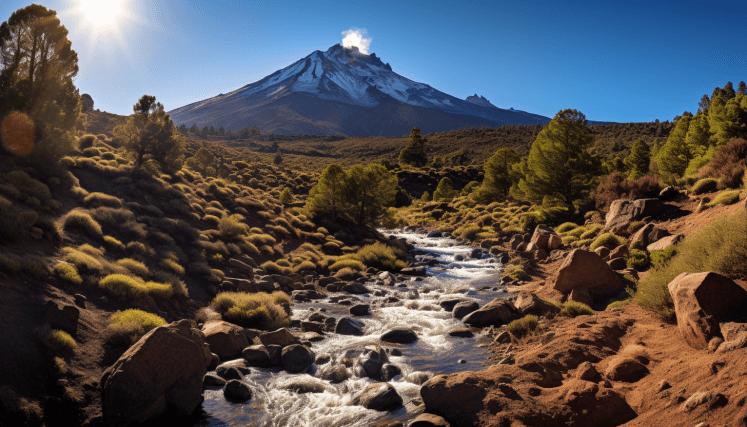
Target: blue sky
(613, 61)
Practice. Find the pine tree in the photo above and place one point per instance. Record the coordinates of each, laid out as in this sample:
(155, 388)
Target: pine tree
(445, 190)
(414, 153)
(327, 196)
(638, 160)
(742, 88)
(704, 103)
(674, 156)
(211, 131)
(221, 131)
(728, 92)
(559, 163)
(286, 196)
(194, 128)
(278, 158)
(499, 176)
(368, 192)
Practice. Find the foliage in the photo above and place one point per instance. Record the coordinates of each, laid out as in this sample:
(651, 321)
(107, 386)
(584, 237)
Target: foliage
(445, 190)
(62, 340)
(728, 165)
(499, 176)
(659, 258)
(126, 327)
(353, 264)
(286, 196)
(381, 256)
(37, 68)
(615, 186)
(414, 153)
(127, 288)
(718, 247)
(639, 260)
(521, 327)
(705, 185)
(328, 195)
(150, 135)
(231, 226)
(728, 197)
(260, 310)
(559, 163)
(68, 273)
(575, 309)
(607, 239)
(638, 160)
(83, 221)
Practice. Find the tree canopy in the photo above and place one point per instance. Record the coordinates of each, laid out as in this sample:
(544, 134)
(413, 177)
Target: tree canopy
(638, 160)
(499, 176)
(414, 152)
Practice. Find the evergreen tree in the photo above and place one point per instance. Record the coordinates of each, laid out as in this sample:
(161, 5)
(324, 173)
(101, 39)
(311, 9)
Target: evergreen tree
(286, 196)
(369, 191)
(194, 128)
(278, 158)
(414, 153)
(327, 197)
(639, 159)
(674, 156)
(183, 129)
(728, 92)
(728, 120)
(704, 103)
(499, 176)
(559, 163)
(445, 190)
(37, 68)
(149, 134)
(204, 132)
(211, 131)
(205, 159)
(742, 88)
(221, 131)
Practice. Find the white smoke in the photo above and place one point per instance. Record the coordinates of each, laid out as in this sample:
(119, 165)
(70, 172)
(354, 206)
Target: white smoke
(356, 37)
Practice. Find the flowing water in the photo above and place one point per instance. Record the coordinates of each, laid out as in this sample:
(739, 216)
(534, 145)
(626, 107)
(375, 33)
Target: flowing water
(435, 352)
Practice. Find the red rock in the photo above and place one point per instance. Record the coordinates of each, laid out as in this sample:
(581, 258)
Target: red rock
(584, 268)
(225, 339)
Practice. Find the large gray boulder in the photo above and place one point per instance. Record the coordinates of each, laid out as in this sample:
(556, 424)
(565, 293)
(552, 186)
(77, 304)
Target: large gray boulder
(623, 212)
(497, 312)
(163, 370)
(584, 268)
(296, 358)
(349, 326)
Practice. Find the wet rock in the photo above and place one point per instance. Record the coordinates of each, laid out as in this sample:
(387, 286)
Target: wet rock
(582, 295)
(313, 327)
(325, 281)
(225, 339)
(281, 337)
(461, 361)
(334, 373)
(434, 234)
(236, 391)
(448, 302)
(700, 300)
(304, 384)
(378, 397)
(497, 312)
(349, 326)
(360, 310)
(239, 364)
(228, 373)
(296, 358)
(63, 317)
(419, 377)
(256, 355)
(317, 317)
(400, 336)
(355, 289)
(414, 271)
(626, 370)
(584, 268)
(458, 258)
(461, 332)
(396, 352)
(275, 352)
(429, 420)
(389, 371)
(212, 380)
(163, 370)
(322, 359)
(464, 308)
(476, 253)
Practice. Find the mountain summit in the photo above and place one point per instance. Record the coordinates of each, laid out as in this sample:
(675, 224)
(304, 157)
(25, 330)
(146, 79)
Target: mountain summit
(343, 91)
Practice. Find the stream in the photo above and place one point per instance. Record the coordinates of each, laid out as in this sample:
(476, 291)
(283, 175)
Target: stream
(435, 352)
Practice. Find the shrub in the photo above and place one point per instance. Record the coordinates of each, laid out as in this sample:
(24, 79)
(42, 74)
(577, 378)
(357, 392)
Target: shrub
(565, 227)
(728, 164)
(172, 266)
(28, 186)
(635, 226)
(273, 268)
(101, 199)
(705, 185)
(607, 239)
(85, 263)
(114, 244)
(381, 256)
(352, 264)
(615, 186)
(467, 231)
(346, 274)
(34, 266)
(619, 303)
(67, 273)
(135, 267)
(575, 308)
(718, 247)
(126, 327)
(521, 327)
(83, 222)
(639, 260)
(61, 340)
(259, 310)
(658, 258)
(127, 288)
(725, 198)
(304, 266)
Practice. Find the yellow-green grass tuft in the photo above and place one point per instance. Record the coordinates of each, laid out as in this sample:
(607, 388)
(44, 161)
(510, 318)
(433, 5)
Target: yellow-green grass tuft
(258, 310)
(610, 240)
(83, 222)
(62, 340)
(114, 244)
(127, 288)
(521, 327)
(67, 273)
(135, 267)
(575, 308)
(126, 327)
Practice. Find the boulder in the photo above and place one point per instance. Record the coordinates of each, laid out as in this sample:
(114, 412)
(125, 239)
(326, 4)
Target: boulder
(325, 281)
(212, 380)
(296, 358)
(236, 391)
(360, 310)
(228, 373)
(429, 420)
(602, 251)
(626, 369)
(657, 234)
(529, 303)
(355, 289)
(461, 332)
(701, 300)
(621, 251)
(400, 336)
(476, 253)
(555, 242)
(281, 337)
(414, 271)
(63, 317)
(369, 362)
(389, 371)
(164, 370)
(225, 339)
(434, 234)
(541, 237)
(664, 243)
(495, 313)
(449, 302)
(275, 352)
(379, 397)
(623, 212)
(256, 355)
(304, 384)
(349, 326)
(333, 373)
(584, 268)
(242, 267)
(515, 241)
(464, 308)
(618, 263)
(582, 295)
(317, 327)
(642, 235)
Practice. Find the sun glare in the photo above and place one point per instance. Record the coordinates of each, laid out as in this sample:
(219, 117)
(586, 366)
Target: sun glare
(101, 13)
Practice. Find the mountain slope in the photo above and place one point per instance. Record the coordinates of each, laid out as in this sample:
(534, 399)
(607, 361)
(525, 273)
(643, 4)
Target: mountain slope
(340, 91)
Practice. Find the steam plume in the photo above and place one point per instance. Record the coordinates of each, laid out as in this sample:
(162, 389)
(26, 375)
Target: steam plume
(356, 37)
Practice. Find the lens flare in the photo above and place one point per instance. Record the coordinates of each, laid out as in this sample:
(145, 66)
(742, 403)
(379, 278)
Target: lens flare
(17, 134)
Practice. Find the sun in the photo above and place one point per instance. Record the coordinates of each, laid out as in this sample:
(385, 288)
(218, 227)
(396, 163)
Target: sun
(101, 13)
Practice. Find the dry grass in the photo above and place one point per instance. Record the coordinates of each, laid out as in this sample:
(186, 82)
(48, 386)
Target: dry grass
(521, 327)
(126, 327)
(83, 222)
(260, 310)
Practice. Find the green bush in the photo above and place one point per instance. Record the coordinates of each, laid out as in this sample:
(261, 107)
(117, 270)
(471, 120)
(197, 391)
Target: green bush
(728, 197)
(62, 340)
(126, 327)
(273, 268)
(82, 261)
(259, 310)
(658, 258)
(231, 226)
(521, 327)
(565, 227)
(705, 185)
(575, 308)
(718, 247)
(83, 221)
(67, 273)
(467, 231)
(619, 303)
(135, 267)
(635, 226)
(639, 260)
(346, 274)
(304, 266)
(607, 239)
(101, 199)
(127, 288)
(381, 256)
(114, 244)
